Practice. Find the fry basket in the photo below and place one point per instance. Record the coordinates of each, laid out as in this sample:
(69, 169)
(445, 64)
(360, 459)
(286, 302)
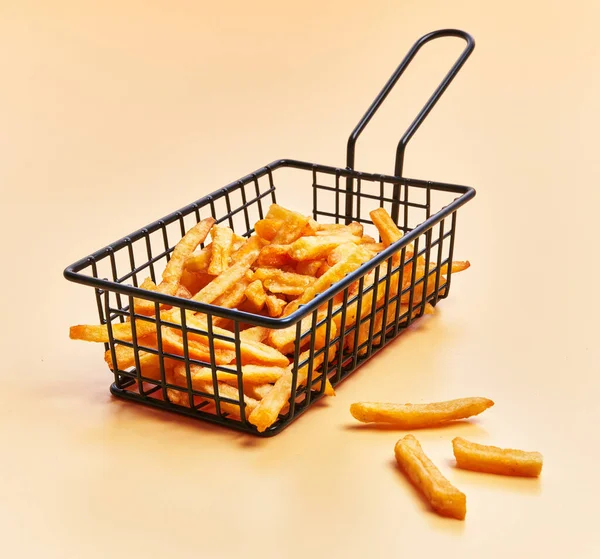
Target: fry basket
(425, 211)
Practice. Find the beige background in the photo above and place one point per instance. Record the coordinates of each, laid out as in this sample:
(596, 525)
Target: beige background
(114, 113)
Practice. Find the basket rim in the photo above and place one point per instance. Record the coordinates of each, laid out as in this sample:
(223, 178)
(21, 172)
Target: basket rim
(72, 272)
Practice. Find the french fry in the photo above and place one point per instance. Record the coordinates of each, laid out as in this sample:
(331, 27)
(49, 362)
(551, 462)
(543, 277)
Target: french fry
(222, 247)
(251, 352)
(291, 279)
(126, 356)
(232, 275)
(283, 339)
(172, 342)
(308, 267)
(374, 247)
(267, 411)
(275, 256)
(256, 296)
(335, 274)
(121, 331)
(194, 282)
(275, 305)
(224, 391)
(367, 239)
(322, 269)
(227, 391)
(311, 228)
(251, 374)
(443, 497)
(340, 253)
(419, 286)
(286, 283)
(292, 226)
(318, 247)
(172, 273)
(363, 335)
(419, 416)
(254, 334)
(200, 261)
(494, 460)
(267, 228)
(275, 286)
(388, 230)
(354, 228)
(259, 391)
(233, 296)
(277, 212)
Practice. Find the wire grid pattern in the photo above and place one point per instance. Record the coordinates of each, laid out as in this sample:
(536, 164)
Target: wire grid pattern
(427, 214)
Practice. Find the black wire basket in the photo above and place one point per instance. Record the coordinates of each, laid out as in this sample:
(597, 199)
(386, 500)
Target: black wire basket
(425, 211)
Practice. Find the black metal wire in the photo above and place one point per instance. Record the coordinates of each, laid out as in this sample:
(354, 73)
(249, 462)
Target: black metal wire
(363, 190)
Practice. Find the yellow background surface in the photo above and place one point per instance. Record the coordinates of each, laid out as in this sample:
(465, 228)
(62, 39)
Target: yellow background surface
(114, 113)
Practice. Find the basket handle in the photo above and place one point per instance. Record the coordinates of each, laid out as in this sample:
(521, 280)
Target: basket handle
(350, 153)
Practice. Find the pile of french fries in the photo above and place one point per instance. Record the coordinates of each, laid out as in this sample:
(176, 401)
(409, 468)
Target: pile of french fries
(287, 262)
(445, 498)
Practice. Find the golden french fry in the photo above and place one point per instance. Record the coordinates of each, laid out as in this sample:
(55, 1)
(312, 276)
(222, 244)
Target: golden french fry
(224, 390)
(278, 212)
(172, 274)
(121, 331)
(282, 277)
(275, 305)
(456, 266)
(494, 460)
(254, 334)
(368, 240)
(172, 342)
(323, 268)
(308, 267)
(267, 228)
(443, 497)
(258, 391)
(418, 416)
(255, 294)
(388, 230)
(252, 352)
(268, 409)
(126, 355)
(183, 292)
(341, 253)
(276, 286)
(354, 228)
(275, 256)
(251, 374)
(194, 282)
(318, 247)
(222, 247)
(311, 228)
(286, 283)
(232, 275)
(200, 261)
(283, 339)
(374, 247)
(291, 228)
(233, 296)
(378, 324)
(335, 274)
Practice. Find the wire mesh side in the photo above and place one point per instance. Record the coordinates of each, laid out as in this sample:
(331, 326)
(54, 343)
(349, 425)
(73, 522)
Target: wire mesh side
(166, 368)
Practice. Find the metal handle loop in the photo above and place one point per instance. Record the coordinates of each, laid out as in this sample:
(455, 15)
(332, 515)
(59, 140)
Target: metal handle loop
(350, 152)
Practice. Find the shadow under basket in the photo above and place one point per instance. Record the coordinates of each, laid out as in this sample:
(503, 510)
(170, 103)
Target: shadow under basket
(339, 329)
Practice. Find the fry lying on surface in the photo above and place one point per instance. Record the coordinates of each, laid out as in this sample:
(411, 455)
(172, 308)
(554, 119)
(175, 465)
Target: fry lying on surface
(443, 497)
(494, 460)
(418, 416)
